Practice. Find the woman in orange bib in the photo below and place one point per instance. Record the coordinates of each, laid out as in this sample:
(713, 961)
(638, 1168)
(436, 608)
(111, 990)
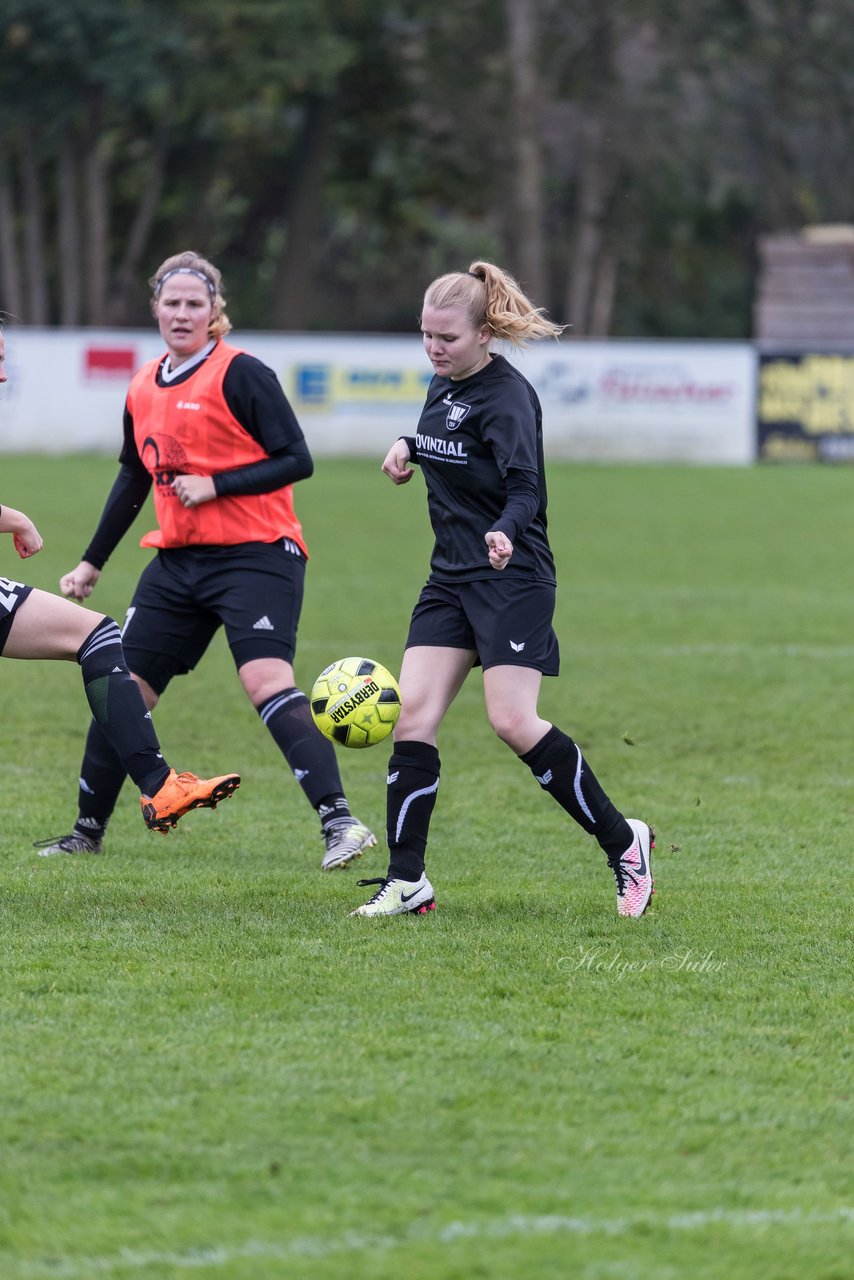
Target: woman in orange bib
(37, 625)
(209, 427)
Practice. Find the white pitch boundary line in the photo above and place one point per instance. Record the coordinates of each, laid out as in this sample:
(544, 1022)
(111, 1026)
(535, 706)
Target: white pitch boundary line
(521, 1225)
(739, 649)
(727, 649)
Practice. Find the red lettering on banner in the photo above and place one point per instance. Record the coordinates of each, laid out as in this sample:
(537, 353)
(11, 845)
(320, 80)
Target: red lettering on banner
(628, 388)
(110, 362)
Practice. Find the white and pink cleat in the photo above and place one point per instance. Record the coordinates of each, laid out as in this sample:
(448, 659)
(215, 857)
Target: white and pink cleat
(633, 872)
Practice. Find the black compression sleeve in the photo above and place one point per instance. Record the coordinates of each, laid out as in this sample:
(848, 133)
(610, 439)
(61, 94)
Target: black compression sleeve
(284, 467)
(521, 505)
(255, 397)
(127, 495)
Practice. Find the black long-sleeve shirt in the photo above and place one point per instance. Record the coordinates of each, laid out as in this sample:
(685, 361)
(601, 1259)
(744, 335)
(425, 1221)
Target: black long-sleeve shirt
(255, 397)
(479, 443)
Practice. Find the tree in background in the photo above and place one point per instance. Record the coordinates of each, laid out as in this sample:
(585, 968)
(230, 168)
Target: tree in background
(130, 127)
(335, 155)
(85, 87)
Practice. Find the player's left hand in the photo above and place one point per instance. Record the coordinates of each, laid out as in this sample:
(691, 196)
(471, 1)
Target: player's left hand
(192, 491)
(500, 548)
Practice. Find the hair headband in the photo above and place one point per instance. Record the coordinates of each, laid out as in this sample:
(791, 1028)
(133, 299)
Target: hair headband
(186, 271)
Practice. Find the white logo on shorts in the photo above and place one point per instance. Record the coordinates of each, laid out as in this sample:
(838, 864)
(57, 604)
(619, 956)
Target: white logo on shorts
(517, 648)
(263, 624)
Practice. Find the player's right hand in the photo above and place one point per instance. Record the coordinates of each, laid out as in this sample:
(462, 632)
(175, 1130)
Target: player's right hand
(27, 539)
(500, 548)
(78, 584)
(396, 463)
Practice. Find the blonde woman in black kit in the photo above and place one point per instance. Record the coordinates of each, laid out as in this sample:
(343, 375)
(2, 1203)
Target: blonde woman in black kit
(490, 597)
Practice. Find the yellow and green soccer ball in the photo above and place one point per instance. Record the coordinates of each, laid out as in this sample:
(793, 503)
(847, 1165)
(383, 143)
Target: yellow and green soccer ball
(355, 702)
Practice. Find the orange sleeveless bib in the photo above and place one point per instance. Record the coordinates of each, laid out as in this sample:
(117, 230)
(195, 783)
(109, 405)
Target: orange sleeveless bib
(188, 429)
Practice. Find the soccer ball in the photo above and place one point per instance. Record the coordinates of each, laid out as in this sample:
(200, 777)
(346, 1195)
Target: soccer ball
(355, 702)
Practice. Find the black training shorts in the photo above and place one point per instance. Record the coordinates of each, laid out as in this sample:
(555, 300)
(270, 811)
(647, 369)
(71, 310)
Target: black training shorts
(185, 594)
(12, 595)
(507, 621)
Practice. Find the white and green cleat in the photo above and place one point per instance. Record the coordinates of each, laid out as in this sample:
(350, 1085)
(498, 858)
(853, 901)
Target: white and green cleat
(398, 897)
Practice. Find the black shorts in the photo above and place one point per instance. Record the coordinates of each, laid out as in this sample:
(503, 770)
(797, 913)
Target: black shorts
(12, 596)
(185, 594)
(506, 621)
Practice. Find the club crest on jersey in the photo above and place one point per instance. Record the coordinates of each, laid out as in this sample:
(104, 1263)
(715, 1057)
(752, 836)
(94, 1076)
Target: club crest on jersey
(456, 412)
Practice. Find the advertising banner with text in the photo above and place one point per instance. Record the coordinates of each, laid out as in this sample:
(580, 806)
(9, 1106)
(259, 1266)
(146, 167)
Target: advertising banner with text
(805, 407)
(603, 401)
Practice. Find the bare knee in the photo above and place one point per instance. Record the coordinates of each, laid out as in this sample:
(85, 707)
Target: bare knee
(86, 623)
(263, 677)
(519, 728)
(511, 726)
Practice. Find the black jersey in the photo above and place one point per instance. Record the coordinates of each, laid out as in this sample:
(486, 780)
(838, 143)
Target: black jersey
(479, 443)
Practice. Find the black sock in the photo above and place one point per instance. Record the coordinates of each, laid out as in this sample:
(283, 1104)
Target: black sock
(311, 756)
(119, 708)
(560, 768)
(333, 811)
(102, 776)
(413, 781)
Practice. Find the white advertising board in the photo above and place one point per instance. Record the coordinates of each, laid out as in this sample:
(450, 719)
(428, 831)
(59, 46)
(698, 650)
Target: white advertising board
(646, 402)
(608, 401)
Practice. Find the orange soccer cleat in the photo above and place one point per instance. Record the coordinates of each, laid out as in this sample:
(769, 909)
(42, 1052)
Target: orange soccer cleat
(182, 792)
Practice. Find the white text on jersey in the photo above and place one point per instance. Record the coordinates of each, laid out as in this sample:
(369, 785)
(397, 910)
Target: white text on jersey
(450, 448)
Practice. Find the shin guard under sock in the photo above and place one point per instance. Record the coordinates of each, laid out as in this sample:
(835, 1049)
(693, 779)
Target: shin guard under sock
(560, 768)
(119, 708)
(413, 781)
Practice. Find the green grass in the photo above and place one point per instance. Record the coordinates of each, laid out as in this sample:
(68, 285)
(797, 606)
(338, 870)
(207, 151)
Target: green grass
(207, 1069)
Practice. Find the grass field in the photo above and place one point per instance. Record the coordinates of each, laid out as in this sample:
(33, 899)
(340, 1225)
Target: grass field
(207, 1069)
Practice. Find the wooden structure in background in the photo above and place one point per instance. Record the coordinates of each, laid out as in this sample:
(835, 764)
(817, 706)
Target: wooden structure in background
(805, 287)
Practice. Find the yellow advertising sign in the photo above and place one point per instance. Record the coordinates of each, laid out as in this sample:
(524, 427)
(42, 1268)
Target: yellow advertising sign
(814, 391)
(805, 407)
(326, 386)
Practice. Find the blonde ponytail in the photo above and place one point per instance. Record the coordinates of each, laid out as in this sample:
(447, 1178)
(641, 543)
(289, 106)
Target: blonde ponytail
(491, 297)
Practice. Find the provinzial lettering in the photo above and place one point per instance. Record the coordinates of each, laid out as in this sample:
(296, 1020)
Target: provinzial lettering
(430, 444)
